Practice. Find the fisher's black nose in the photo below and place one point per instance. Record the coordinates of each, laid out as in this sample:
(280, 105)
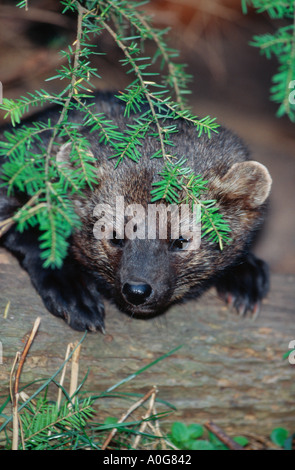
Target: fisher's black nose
(136, 294)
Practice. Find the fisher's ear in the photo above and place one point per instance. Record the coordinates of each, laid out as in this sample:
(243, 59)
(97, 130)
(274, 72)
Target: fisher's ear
(248, 181)
(63, 155)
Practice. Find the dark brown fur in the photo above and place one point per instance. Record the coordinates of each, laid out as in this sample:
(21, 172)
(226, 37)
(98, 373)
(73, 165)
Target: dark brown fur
(155, 275)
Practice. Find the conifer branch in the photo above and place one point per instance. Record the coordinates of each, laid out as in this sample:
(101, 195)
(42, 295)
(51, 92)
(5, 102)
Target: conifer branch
(72, 86)
(30, 165)
(280, 44)
(144, 28)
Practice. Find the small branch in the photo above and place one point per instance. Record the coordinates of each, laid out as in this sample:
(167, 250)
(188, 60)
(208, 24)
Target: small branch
(157, 430)
(5, 225)
(159, 44)
(222, 436)
(26, 137)
(15, 388)
(87, 110)
(75, 369)
(70, 95)
(198, 201)
(125, 416)
(25, 353)
(63, 374)
(150, 97)
(142, 83)
(170, 65)
(193, 119)
(6, 310)
(145, 417)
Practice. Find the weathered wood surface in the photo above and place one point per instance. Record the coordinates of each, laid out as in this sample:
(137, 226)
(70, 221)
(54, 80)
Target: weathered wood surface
(229, 369)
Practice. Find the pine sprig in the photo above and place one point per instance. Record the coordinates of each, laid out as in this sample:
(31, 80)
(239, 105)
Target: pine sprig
(15, 109)
(179, 185)
(46, 426)
(154, 99)
(68, 422)
(161, 108)
(56, 221)
(281, 45)
(82, 162)
(31, 172)
(277, 9)
(177, 79)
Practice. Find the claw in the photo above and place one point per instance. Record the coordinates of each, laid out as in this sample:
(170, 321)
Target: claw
(256, 311)
(242, 309)
(230, 299)
(244, 286)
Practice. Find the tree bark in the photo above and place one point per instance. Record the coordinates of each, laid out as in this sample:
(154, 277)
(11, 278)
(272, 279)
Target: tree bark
(229, 370)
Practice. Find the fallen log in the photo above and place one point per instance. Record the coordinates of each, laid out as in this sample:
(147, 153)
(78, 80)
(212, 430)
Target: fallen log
(229, 370)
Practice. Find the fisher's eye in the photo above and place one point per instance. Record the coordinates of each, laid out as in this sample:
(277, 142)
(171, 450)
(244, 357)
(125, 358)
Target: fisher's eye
(180, 243)
(115, 241)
